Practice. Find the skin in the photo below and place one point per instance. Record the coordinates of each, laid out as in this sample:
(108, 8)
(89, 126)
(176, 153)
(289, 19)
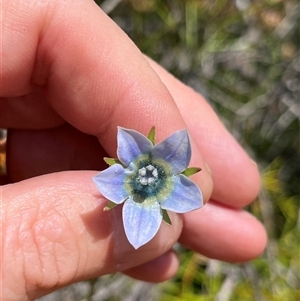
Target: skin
(69, 77)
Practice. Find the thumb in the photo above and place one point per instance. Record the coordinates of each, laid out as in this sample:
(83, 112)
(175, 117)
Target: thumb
(55, 232)
(92, 74)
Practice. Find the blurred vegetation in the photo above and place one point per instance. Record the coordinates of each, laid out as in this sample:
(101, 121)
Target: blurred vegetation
(243, 56)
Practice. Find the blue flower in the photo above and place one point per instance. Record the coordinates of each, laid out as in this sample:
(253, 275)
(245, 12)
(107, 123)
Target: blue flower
(149, 179)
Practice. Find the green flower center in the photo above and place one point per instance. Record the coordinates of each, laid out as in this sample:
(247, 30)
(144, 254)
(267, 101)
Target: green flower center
(150, 179)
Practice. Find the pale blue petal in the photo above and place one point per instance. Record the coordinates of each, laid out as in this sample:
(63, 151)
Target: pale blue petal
(141, 221)
(110, 183)
(176, 150)
(186, 196)
(131, 144)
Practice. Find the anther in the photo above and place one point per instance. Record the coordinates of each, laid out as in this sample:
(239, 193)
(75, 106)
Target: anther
(147, 174)
(142, 171)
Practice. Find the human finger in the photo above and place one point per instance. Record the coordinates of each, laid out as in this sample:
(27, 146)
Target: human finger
(235, 175)
(223, 233)
(167, 265)
(97, 90)
(55, 232)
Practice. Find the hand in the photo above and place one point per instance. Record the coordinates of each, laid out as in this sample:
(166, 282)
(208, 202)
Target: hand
(69, 75)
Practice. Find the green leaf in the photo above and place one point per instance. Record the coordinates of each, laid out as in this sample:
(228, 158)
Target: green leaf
(110, 205)
(166, 217)
(151, 135)
(190, 171)
(111, 161)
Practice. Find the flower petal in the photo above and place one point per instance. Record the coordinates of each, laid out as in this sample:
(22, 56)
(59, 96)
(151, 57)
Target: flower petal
(131, 144)
(141, 221)
(185, 197)
(176, 150)
(110, 183)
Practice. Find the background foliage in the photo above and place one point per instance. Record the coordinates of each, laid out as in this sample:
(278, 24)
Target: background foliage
(243, 56)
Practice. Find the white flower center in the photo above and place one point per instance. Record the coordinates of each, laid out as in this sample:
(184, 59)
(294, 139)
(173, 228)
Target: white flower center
(147, 174)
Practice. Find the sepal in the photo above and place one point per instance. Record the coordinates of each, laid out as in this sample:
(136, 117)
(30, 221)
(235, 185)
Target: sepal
(151, 135)
(111, 161)
(191, 171)
(166, 217)
(110, 205)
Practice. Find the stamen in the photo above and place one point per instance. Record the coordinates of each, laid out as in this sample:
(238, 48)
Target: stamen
(148, 174)
(150, 180)
(143, 181)
(142, 171)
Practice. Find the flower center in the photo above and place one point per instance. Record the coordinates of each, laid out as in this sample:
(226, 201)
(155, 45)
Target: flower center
(147, 174)
(148, 179)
